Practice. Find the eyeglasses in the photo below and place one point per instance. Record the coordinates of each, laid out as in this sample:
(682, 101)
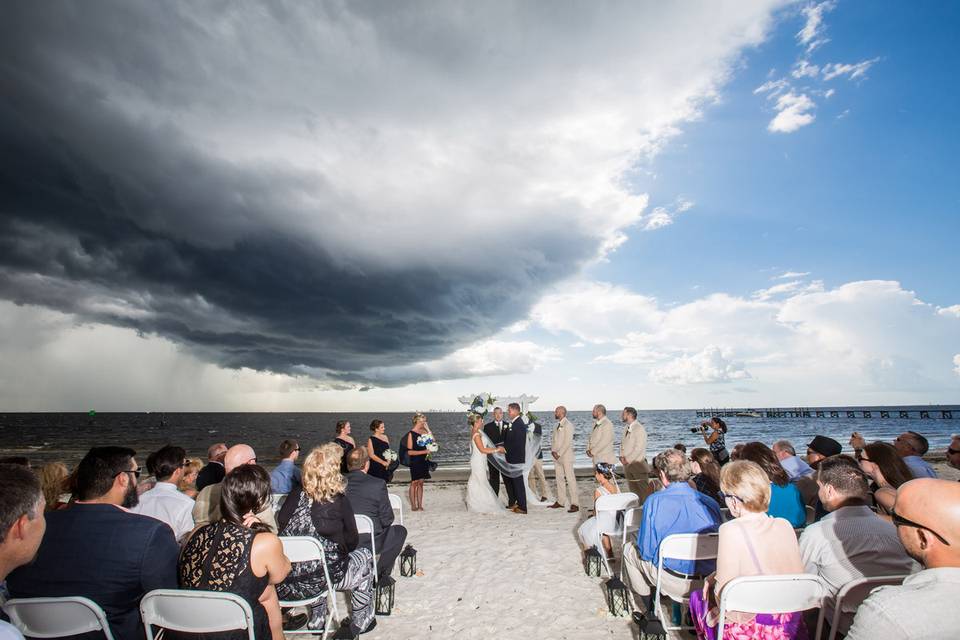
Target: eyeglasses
(900, 521)
(729, 495)
(136, 473)
(862, 458)
(952, 452)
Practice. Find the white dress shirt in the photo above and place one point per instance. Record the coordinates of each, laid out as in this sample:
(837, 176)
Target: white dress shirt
(924, 607)
(167, 504)
(920, 467)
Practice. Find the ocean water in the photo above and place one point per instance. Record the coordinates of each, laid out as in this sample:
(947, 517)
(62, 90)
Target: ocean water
(45, 437)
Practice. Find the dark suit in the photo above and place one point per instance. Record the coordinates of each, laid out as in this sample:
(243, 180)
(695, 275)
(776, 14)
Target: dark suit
(368, 497)
(515, 442)
(496, 437)
(104, 553)
(210, 474)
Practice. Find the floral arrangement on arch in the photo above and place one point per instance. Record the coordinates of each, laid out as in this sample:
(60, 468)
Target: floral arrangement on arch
(481, 405)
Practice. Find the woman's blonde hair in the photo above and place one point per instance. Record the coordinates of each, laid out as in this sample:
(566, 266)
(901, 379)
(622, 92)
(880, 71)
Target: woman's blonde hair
(321, 473)
(417, 417)
(193, 466)
(474, 418)
(53, 481)
(747, 481)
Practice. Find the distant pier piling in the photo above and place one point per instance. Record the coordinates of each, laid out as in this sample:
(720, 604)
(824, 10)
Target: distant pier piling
(943, 412)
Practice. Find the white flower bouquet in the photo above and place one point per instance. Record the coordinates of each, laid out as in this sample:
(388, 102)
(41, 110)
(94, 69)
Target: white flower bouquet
(390, 455)
(433, 447)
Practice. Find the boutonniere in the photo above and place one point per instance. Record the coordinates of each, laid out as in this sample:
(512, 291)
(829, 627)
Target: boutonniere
(629, 428)
(596, 424)
(559, 425)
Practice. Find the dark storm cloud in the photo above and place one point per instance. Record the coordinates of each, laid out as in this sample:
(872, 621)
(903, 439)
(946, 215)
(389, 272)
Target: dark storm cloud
(130, 222)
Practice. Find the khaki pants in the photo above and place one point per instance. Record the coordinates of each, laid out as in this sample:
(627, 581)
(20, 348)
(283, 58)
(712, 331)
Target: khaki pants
(537, 478)
(566, 481)
(638, 479)
(642, 577)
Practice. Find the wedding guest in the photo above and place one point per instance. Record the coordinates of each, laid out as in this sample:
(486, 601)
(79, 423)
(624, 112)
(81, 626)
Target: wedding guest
(706, 473)
(368, 496)
(22, 524)
(346, 442)
(910, 446)
(600, 442)
(850, 542)
(677, 508)
(633, 454)
(377, 444)
(682, 448)
(238, 554)
(53, 479)
(953, 452)
(207, 507)
(320, 509)
(494, 431)
(784, 501)
(419, 464)
(793, 465)
(98, 549)
(607, 521)
(188, 483)
(214, 471)
(286, 473)
(165, 502)
(736, 451)
(536, 479)
(822, 447)
(714, 432)
(752, 543)
(927, 518)
(887, 470)
(561, 448)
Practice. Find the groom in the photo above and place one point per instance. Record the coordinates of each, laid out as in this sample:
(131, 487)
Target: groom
(515, 442)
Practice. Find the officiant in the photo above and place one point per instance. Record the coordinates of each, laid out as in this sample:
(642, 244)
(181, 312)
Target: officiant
(494, 430)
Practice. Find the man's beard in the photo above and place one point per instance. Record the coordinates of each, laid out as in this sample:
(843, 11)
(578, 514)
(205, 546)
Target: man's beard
(131, 498)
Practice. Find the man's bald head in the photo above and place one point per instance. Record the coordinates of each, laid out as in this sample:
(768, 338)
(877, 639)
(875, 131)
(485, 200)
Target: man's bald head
(935, 506)
(239, 455)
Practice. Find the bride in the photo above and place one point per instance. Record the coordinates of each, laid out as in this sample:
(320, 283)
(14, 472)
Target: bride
(480, 497)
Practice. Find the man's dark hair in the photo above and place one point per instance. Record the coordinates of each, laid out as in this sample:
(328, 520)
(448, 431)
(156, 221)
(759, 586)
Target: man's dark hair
(843, 473)
(357, 457)
(164, 462)
(631, 412)
(287, 447)
(922, 445)
(246, 489)
(20, 493)
(99, 467)
(514, 405)
(23, 461)
(680, 447)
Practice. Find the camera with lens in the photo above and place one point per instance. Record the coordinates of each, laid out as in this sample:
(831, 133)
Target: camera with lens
(699, 429)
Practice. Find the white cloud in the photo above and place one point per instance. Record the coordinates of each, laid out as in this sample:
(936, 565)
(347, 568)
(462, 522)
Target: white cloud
(953, 310)
(853, 71)
(790, 275)
(708, 366)
(829, 93)
(811, 35)
(793, 112)
(773, 87)
(793, 286)
(663, 216)
(803, 69)
(595, 312)
(956, 364)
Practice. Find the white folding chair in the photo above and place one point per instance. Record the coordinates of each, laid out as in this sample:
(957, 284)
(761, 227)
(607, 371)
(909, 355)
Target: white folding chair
(631, 524)
(811, 514)
(195, 612)
(772, 594)
(276, 501)
(610, 506)
(682, 546)
(57, 617)
(852, 595)
(397, 505)
(365, 525)
(725, 514)
(307, 549)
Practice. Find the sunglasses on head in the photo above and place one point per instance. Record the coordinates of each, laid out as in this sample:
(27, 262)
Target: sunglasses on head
(729, 495)
(135, 472)
(900, 521)
(952, 452)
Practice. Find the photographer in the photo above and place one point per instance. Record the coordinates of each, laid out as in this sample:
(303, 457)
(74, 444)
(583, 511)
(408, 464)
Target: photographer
(713, 431)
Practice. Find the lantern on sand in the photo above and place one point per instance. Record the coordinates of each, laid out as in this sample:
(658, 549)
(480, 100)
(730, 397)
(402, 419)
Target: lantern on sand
(408, 562)
(592, 562)
(385, 596)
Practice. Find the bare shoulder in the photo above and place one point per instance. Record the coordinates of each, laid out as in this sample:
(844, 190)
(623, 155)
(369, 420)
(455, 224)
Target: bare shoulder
(267, 543)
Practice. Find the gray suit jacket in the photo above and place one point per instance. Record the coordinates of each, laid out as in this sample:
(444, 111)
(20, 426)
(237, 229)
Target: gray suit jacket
(368, 497)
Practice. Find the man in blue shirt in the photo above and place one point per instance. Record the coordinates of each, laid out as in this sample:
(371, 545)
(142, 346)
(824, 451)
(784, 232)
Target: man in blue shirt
(287, 471)
(678, 508)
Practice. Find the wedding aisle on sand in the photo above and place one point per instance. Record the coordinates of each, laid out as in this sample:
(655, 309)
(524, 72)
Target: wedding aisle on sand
(496, 576)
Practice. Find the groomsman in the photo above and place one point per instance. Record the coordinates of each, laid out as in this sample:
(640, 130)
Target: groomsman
(537, 478)
(494, 431)
(633, 454)
(600, 444)
(561, 448)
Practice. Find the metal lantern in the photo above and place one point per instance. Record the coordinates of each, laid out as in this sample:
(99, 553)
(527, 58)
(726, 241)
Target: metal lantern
(385, 596)
(648, 629)
(617, 599)
(408, 562)
(593, 562)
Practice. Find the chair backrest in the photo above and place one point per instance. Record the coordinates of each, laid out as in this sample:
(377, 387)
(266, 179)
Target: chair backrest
(631, 519)
(772, 594)
(689, 546)
(811, 514)
(397, 505)
(195, 612)
(57, 617)
(276, 500)
(302, 548)
(852, 595)
(364, 524)
(617, 502)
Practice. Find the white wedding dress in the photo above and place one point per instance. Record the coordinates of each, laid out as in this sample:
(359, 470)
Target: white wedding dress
(480, 497)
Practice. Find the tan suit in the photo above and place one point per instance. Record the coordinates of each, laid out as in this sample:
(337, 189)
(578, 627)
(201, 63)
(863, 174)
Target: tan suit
(562, 446)
(600, 444)
(633, 450)
(207, 508)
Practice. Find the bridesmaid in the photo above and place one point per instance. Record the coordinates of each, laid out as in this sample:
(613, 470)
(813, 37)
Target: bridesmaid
(345, 440)
(376, 445)
(419, 469)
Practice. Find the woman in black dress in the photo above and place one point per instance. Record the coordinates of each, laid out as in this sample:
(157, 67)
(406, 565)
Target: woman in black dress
(239, 555)
(419, 465)
(346, 441)
(376, 445)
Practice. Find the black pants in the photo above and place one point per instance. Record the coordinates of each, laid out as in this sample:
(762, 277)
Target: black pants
(519, 491)
(507, 484)
(389, 544)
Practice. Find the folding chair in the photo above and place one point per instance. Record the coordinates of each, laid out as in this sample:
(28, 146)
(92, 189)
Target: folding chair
(811, 514)
(57, 617)
(631, 524)
(683, 546)
(852, 595)
(195, 612)
(365, 525)
(276, 501)
(397, 505)
(772, 594)
(611, 505)
(307, 549)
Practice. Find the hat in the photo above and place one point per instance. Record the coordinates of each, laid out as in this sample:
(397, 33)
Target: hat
(825, 446)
